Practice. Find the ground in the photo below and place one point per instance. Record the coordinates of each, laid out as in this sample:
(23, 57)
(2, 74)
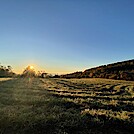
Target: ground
(66, 106)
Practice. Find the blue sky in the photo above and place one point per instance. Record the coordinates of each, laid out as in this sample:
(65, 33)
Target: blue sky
(63, 36)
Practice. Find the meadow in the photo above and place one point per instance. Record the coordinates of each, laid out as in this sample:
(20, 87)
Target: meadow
(66, 106)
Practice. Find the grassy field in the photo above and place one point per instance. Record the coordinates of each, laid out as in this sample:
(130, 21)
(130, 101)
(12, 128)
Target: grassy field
(66, 106)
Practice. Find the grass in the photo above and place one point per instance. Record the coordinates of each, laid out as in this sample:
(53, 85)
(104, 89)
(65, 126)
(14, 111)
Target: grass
(66, 106)
(5, 79)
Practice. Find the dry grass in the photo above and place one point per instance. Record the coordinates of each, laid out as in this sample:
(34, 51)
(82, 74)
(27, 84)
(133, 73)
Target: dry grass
(66, 106)
(103, 99)
(5, 79)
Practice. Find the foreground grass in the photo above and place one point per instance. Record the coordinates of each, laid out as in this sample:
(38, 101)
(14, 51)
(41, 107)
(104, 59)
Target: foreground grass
(56, 106)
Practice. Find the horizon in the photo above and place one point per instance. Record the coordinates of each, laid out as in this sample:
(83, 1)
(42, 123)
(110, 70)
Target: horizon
(62, 37)
(55, 73)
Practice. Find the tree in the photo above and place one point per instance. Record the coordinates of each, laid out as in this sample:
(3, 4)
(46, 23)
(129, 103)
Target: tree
(6, 71)
(9, 68)
(29, 72)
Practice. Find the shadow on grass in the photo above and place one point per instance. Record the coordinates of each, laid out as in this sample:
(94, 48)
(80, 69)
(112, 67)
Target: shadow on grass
(44, 113)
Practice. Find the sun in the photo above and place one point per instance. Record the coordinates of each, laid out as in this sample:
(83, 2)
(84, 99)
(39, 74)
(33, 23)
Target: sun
(31, 67)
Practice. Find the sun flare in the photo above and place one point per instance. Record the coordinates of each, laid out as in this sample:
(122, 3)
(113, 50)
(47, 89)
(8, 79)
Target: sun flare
(31, 67)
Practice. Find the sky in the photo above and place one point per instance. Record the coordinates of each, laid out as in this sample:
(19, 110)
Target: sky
(64, 36)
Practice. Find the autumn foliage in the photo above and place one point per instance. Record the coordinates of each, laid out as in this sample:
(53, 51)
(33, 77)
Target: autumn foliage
(120, 70)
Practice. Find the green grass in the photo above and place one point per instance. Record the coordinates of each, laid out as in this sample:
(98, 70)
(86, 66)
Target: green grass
(60, 106)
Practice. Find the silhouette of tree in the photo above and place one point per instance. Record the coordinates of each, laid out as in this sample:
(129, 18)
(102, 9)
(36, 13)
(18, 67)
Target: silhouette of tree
(9, 68)
(29, 72)
(6, 71)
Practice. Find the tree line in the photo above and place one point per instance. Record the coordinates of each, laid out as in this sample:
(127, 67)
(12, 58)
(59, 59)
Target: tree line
(6, 71)
(120, 71)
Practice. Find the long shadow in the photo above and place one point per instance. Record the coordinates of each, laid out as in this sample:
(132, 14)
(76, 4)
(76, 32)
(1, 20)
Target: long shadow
(82, 97)
(60, 116)
(73, 85)
(96, 124)
(119, 93)
(68, 91)
(119, 107)
(103, 96)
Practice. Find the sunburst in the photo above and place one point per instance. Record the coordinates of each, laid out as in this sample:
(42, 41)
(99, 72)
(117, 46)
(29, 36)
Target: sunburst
(31, 67)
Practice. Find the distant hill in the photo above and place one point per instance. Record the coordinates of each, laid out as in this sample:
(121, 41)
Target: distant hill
(121, 70)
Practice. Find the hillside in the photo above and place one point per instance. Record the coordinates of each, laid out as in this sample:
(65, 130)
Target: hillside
(121, 70)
